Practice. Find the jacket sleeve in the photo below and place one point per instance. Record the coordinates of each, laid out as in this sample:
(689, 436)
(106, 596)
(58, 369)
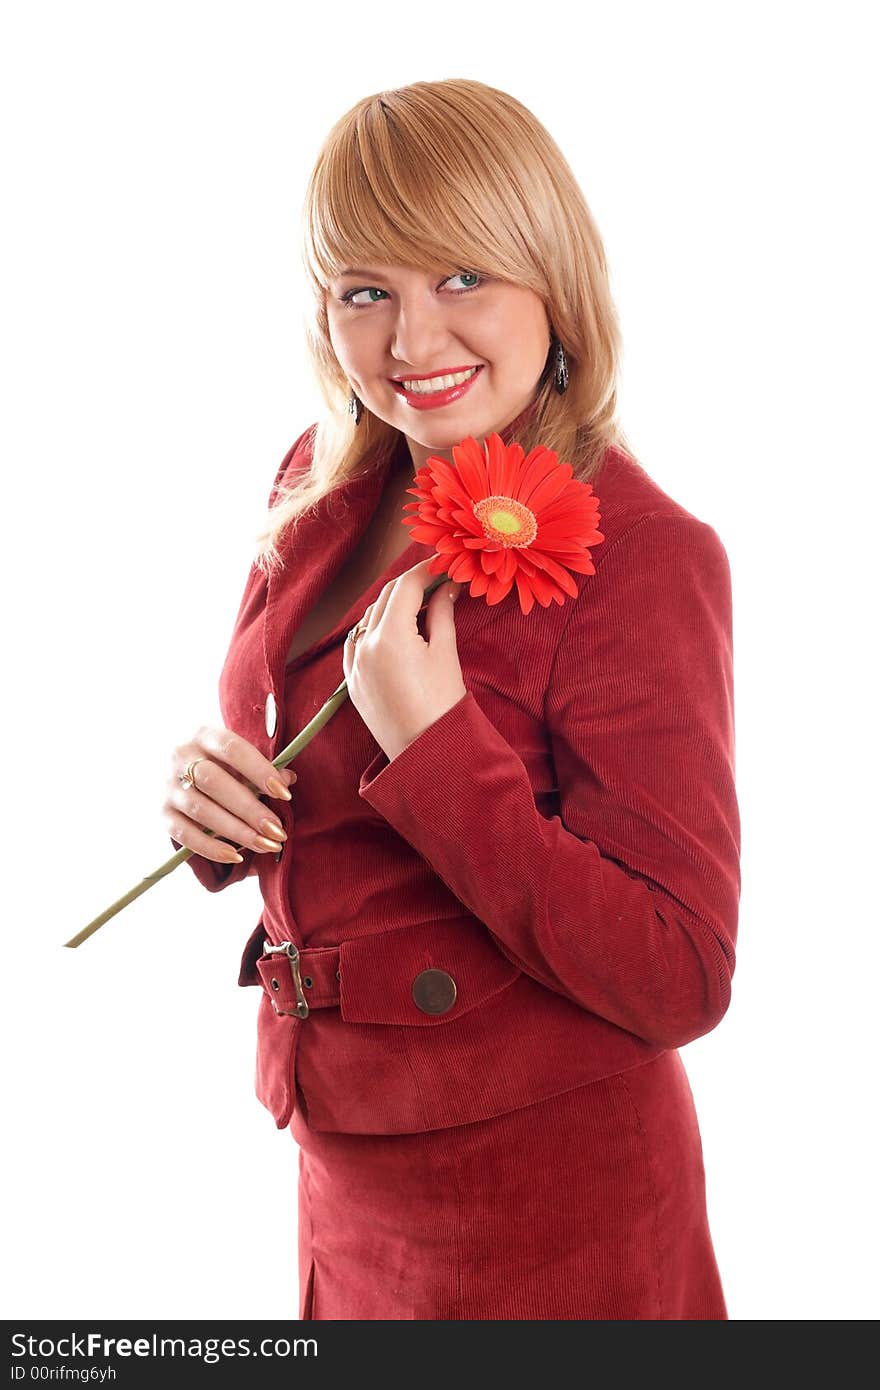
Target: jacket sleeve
(627, 901)
(209, 873)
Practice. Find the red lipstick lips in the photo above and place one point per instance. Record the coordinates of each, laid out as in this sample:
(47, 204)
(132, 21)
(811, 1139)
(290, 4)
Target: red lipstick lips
(432, 400)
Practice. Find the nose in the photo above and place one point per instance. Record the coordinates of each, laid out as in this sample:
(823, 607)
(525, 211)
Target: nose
(420, 334)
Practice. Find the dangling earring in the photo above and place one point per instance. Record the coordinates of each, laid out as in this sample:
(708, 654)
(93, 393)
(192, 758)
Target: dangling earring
(561, 373)
(355, 408)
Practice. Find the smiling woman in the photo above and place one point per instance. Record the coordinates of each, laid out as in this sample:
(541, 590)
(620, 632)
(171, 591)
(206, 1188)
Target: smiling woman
(503, 890)
(443, 231)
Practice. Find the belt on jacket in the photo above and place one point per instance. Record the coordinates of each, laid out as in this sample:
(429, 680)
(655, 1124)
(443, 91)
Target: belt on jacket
(297, 980)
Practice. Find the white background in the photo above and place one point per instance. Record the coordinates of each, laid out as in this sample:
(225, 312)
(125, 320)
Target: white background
(154, 163)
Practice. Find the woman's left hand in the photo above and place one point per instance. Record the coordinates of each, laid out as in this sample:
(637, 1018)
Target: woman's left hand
(398, 682)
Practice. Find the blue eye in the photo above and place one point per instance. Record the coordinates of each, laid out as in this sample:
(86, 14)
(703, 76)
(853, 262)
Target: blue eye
(349, 298)
(466, 274)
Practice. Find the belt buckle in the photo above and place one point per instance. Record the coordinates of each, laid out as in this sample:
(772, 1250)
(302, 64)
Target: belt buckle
(288, 949)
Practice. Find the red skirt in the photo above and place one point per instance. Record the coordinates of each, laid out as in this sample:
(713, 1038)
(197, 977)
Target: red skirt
(589, 1205)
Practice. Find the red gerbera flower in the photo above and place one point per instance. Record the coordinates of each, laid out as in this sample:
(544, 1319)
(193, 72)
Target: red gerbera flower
(501, 517)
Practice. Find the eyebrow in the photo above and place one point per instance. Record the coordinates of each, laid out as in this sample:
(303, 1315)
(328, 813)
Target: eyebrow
(359, 271)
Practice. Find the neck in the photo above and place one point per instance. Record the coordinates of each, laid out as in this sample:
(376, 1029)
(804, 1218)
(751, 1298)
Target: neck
(420, 453)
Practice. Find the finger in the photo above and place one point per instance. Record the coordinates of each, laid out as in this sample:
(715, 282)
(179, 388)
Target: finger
(349, 646)
(372, 615)
(242, 758)
(190, 836)
(425, 573)
(222, 803)
(368, 616)
(405, 598)
(421, 571)
(439, 617)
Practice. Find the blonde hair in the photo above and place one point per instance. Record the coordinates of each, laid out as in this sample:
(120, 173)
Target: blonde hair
(454, 172)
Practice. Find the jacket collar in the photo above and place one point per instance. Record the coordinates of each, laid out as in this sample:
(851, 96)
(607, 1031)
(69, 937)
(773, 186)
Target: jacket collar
(324, 539)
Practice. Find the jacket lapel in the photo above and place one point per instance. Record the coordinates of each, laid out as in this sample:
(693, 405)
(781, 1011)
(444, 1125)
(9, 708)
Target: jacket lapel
(313, 556)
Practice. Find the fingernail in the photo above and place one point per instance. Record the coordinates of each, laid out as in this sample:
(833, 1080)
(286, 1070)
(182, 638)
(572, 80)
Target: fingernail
(271, 827)
(232, 856)
(276, 787)
(265, 844)
(454, 593)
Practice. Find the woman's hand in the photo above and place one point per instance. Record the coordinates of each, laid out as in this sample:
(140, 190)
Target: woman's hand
(398, 682)
(230, 776)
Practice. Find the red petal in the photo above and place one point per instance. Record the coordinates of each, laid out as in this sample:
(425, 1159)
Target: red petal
(568, 529)
(501, 474)
(471, 463)
(550, 487)
(498, 589)
(463, 569)
(513, 465)
(554, 571)
(541, 589)
(449, 480)
(479, 584)
(426, 535)
(570, 502)
(526, 596)
(535, 467)
(467, 519)
(447, 544)
(525, 564)
(581, 564)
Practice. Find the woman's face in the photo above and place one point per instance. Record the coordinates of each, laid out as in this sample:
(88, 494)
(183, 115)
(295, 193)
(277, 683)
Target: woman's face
(390, 324)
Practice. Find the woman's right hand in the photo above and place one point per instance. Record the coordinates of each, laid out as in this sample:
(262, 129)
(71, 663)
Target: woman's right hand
(230, 777)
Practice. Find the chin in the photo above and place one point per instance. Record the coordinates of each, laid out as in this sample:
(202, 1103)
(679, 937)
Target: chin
(444, 435)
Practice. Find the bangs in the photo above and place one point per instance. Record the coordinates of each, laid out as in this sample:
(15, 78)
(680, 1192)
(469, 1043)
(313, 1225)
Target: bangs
(416, 191)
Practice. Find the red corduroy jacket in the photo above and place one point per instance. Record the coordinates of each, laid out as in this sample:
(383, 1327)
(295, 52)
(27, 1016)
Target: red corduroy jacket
(563, 844)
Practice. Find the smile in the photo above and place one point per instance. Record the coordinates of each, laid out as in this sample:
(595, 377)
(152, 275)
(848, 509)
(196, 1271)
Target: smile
(427, 393)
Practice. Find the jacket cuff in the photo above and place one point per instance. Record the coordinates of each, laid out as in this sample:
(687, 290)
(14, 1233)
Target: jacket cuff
(443, 815)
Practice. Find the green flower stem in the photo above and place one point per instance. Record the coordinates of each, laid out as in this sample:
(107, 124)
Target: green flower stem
(303, 738)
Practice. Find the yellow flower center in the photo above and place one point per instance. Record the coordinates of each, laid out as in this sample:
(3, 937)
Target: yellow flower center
(506, 521)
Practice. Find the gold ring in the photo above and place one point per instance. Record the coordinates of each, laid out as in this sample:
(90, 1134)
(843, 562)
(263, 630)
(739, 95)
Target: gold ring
(187, 778)
(355, 632)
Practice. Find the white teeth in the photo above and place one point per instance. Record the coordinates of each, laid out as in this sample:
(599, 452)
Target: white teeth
(439, 383)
